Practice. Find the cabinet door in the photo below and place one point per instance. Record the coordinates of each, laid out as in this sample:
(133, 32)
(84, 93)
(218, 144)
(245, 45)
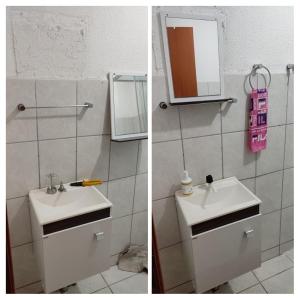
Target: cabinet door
(77, 253)
(226, 252)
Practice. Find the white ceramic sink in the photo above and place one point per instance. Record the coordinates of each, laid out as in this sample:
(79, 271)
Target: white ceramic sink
(61, 205)
(225, 196)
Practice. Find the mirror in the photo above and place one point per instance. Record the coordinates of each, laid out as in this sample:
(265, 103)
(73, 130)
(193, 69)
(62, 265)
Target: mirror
(128, 102)
(193, 54)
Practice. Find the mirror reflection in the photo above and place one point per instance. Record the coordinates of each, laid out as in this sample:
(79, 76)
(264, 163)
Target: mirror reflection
(194, 56)
(129, 106)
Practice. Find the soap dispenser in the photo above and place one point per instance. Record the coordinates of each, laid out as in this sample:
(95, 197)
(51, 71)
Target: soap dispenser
(186, 183)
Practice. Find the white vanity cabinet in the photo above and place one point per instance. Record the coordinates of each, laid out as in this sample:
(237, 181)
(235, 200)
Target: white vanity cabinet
(75, 247)
(221, 247)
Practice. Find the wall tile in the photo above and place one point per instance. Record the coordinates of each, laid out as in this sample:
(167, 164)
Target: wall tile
(235, 115)
(56, 122)
(139, 230)
(166, 222)
(271, 158)
(290, 104)
(270, 230)
(238, 160)
(19, 221)
(165, 122)
(269, 189)
(120, 193)
(173, 267)
(24, 265)
(167, 168)
(93, 157)
(249, 183)
(142, 166)
(288, 188)
(59, 157)
(21, 169)
(286, 246)
(269, 254)
(96, 120)
(141, 193)
(277, 99)
(289, 147)
(120, 234)
(198, 120)
(202, 157)
(123, 159)
(20, 126)
(103, 188)
(287, 225)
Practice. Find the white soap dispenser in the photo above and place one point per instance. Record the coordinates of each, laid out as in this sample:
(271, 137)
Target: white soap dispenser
(186, 184)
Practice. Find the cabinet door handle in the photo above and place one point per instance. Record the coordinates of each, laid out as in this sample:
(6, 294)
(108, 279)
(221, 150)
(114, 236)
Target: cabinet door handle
(99, 236)
(249, 233)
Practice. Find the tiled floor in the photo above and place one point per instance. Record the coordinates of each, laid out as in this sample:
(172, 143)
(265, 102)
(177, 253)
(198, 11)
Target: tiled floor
(112, 281)
(275, 276)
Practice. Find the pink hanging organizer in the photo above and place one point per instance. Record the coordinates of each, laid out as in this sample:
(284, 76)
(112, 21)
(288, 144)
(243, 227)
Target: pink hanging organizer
(258, 115)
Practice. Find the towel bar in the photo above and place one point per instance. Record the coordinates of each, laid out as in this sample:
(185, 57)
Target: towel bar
(22, 107)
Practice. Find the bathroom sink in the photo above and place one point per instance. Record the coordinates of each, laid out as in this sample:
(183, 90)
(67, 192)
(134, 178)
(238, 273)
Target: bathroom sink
(211, 201)
(73, 202)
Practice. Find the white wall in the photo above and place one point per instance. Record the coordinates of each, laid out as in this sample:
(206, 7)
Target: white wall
(252, 35)
(115, 40)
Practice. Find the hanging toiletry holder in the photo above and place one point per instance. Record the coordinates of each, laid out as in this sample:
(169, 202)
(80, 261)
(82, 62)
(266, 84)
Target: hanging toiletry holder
(254, 72)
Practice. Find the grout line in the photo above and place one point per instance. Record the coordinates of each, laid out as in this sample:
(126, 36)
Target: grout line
(249, 287)
(276, 273)
(222, 148)
(37, 135)
(181, 137)
(134, 186)
(259, 281)
(76, 131)
(34, 282)
(107, 285)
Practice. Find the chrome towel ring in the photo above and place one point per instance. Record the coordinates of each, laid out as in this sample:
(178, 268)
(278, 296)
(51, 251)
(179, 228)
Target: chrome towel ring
(253, 72)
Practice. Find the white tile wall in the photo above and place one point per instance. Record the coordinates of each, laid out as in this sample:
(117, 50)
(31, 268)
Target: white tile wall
(19, 221)
(271, 159)
(93, 157)
(165, 221)
(97, 120)
(22, 171)
(56, 122)
(197, 122)
(20, 126)
(167, 167)
(288, 188)
(207, 150)
(238, 160)
(75, 146)
(59, 157)
(120, 193)
(203, 156)
(268, 189)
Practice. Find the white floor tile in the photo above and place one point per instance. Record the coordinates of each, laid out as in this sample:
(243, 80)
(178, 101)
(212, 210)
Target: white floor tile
(289, 254)
(272, 267)
(88, 285)
(137, 284)
(243, 282)
(114, 275)
(257, 289)
(282, 283)
(103, 291)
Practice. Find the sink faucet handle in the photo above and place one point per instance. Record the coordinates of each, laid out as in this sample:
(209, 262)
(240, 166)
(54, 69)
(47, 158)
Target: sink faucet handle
(209, 179)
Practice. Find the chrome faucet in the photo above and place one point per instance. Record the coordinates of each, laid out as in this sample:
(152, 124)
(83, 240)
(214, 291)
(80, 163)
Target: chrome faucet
(61, 187)
(51, 189)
